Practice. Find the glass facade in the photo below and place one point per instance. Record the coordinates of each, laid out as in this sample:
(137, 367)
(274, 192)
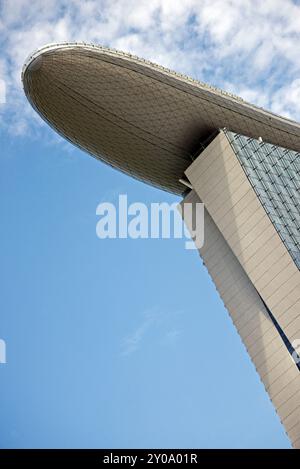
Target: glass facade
(274, 173)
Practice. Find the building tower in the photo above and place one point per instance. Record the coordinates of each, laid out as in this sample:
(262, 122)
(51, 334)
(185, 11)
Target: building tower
(241, 161)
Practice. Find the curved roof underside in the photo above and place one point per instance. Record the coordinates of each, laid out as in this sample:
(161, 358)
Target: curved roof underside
(136, 116)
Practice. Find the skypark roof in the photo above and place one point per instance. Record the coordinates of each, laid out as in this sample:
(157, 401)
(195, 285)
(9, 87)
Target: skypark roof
(136, 116)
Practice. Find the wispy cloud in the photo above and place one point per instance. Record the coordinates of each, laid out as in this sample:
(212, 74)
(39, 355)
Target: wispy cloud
(132, 342)
(248, 46)
(154, 321)
(171, 336)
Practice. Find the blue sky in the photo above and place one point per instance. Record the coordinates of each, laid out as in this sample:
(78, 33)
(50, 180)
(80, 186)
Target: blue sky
(124, 343)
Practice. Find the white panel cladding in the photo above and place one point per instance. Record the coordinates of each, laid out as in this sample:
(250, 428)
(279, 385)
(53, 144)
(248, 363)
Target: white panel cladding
(270, 356)
(219, 180)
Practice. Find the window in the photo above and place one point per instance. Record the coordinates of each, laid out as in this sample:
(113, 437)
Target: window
(274, 173)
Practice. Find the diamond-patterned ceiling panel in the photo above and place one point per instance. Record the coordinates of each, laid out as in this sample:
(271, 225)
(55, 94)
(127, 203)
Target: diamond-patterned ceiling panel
(137, 116)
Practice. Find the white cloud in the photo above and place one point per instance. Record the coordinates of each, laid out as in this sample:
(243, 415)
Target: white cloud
(171, 336)
(153, 321)
(132, 342)
(286, 101)
(248, 45)
(2, 91)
